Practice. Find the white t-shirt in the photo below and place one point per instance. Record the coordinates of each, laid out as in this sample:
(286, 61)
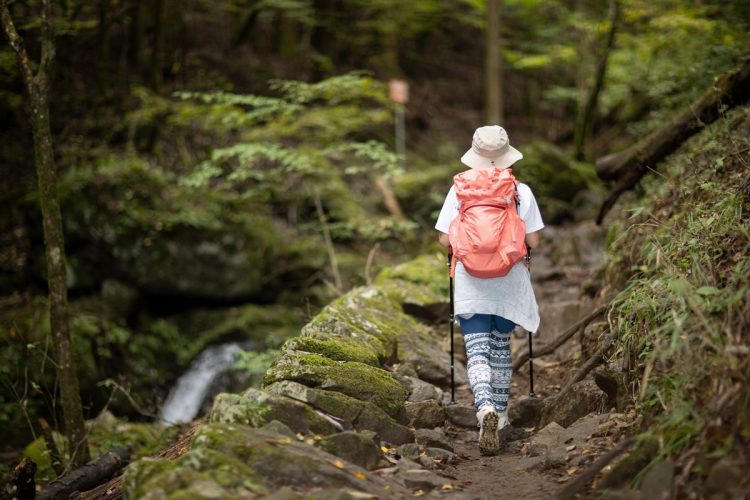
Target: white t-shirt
(510, 296)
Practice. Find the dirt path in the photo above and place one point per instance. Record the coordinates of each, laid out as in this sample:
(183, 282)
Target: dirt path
(566, 259)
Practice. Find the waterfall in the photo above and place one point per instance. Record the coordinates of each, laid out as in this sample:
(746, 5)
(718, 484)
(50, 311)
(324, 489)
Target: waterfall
(185, 399)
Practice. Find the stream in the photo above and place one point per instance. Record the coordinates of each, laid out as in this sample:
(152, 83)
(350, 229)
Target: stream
(186, 398)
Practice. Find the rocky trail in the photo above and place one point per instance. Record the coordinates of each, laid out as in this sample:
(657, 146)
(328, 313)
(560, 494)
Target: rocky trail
(331, 420)
(533, 463)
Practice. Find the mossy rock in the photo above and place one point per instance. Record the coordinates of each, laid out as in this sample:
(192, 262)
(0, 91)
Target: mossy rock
(362, 415)
(339, 349)
(278, 461)
(358, 380)
(200, 473)
(353, 447)
(419, 348)
(429, 271)
(257, 408)
(365, 314)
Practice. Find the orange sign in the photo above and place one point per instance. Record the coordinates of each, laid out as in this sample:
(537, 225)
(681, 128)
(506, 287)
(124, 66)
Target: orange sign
(398, 91)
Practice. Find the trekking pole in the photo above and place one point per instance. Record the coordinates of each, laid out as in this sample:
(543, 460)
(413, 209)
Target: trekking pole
(450, 278)
(531, 352)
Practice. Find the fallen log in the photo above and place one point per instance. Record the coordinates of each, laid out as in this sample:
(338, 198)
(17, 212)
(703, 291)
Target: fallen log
(630, 165)
(24, 480)
(523, 357)
(84, 478)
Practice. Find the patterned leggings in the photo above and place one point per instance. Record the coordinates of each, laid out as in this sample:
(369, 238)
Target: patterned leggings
(487, 339)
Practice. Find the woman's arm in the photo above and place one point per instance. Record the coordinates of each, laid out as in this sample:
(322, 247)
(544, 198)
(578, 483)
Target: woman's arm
(532, 239)
(444, 240)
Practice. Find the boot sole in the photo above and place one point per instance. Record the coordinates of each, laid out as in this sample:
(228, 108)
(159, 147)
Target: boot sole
(488, 442)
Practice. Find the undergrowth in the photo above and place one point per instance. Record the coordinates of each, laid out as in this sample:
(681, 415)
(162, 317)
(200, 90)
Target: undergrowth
(682, 262)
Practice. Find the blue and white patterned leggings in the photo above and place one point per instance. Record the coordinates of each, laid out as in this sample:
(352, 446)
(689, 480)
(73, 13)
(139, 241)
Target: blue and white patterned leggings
(487, 339)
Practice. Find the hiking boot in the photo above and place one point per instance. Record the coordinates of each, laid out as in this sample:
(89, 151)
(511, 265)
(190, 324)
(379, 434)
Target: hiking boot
(488, 432)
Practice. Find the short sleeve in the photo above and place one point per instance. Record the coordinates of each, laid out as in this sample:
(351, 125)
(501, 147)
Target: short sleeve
(448, 212)
(529, 209)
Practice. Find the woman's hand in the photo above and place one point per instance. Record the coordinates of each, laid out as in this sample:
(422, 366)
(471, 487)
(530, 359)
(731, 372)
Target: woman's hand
(444, 240)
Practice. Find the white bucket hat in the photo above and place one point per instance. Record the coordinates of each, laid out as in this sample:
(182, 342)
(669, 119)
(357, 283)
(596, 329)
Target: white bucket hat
(490, 147)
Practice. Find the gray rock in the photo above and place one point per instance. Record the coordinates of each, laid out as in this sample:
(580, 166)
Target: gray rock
(430, 438)
(361, 415)
(723, 474)
(546, 439)
(409, 450)
(421, 390)
(425, 414)
(422, 479)
(440, 454)
(462, 415)
(279, 428)
(353, 447)
(420, 349)
(256, 408)
(526, 412)
(584, 397)
(658, 480)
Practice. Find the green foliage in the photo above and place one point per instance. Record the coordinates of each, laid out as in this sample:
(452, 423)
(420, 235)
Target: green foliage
(255, 362)
(686, 258)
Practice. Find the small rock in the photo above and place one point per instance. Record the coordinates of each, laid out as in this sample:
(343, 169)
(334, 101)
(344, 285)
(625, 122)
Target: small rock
(526, 412)
(462, 415)
(422, 391)
(279, 428)
(409, 450)
(658, 480)
(722, 475)
(353, 447)
(422, 479)
(441, 454)
(425, 414)
(546, 439)
(433, 439)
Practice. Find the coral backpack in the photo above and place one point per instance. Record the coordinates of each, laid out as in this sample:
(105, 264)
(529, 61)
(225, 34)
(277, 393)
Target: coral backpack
(487, 237)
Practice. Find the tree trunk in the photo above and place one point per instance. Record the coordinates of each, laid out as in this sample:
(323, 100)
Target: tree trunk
(38, 88)
(492, 65)
(135, 33)
(587, 110)
(102, 69)
(157, 45)
(629, 166)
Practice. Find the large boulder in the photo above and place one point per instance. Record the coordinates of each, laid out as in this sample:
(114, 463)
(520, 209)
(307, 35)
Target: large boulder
(257, 408)
(358, 380)
(233, 461)
(353, 447)
(583, 398)
(351, 412)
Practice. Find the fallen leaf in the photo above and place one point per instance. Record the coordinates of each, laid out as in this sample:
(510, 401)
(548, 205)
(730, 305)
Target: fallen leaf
(384, 449)
(338, 464)
(360, 475)
(446, 487)
(572, 470)
(562, 479)
(418, 493)
(570, 448)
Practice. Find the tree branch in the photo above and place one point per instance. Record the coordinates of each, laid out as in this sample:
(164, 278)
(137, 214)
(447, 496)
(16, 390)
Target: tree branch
(523, 357)
(16, 44)
(47, 62)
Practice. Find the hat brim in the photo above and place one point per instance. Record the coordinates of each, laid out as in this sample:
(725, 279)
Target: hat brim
(473, 160)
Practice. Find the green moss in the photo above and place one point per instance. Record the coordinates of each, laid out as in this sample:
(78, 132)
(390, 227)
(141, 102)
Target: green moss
(341, 349)
(199, 473)
(427, 270)
(256, 408)
(357, 380)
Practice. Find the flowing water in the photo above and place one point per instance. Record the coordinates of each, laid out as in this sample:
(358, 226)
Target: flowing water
(185, 399)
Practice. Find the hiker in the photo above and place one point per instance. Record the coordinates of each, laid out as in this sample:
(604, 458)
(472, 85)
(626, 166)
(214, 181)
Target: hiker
(493, 290)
